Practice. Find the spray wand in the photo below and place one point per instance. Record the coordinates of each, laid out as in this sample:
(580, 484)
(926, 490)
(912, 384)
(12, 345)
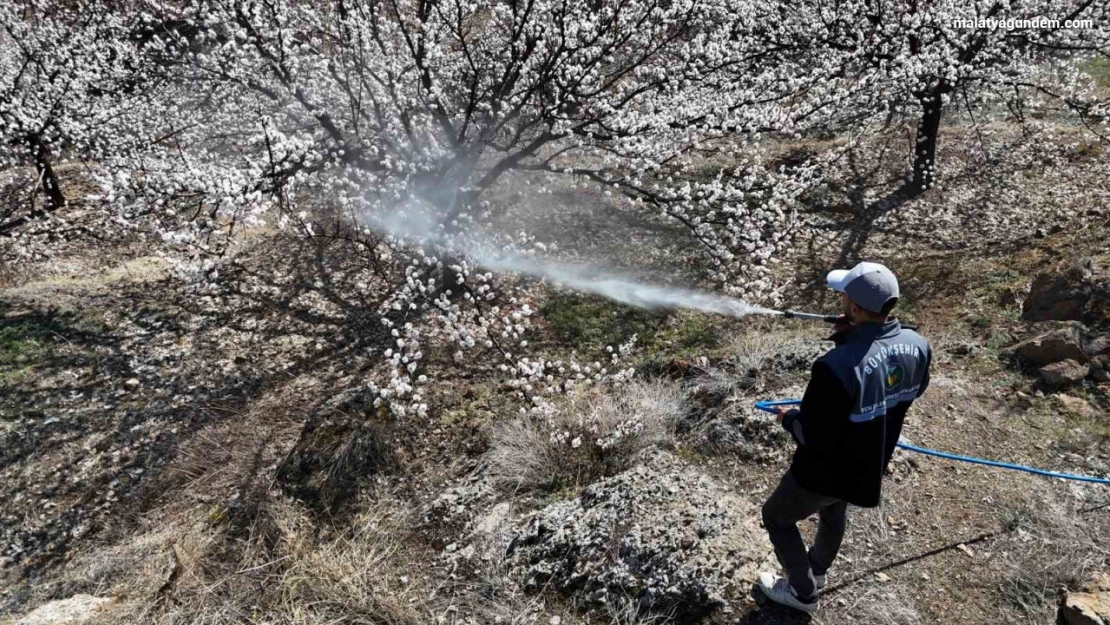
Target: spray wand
(793, 314)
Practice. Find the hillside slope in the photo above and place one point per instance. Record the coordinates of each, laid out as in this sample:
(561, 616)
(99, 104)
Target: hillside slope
(203, 460)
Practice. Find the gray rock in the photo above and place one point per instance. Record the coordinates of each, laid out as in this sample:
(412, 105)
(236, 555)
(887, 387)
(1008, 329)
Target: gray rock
(492, 533)
(1098, 346)
(1078, 291)
(1076, 405)
(797, 355)
(963, 349)
(790, 358)
(1052, 342)
(660, 535)
(75, 610)
(491, 523)
(743, 435)
(1064, 372)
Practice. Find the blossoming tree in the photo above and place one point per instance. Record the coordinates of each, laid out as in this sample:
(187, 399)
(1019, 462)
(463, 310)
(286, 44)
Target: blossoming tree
(402, 116)
(880, 60)
(392, 123)
(70, 85)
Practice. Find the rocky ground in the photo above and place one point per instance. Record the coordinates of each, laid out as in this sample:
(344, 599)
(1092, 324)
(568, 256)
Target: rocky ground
(168, 458)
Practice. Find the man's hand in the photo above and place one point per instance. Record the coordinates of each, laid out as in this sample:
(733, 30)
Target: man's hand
(782, 411)
(842, 323)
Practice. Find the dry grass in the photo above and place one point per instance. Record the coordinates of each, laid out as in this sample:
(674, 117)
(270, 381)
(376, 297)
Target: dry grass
(1051, 547)
(283, 568)
(762, 340)
(266, 559)
(227, 547)
(352, 577)
(753, 348)
(885, 607)
(593, 434)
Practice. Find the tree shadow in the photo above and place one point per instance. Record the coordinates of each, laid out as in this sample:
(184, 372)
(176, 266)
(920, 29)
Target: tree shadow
(850, 217)
(93, 409)
(862, 575)
(974, 210)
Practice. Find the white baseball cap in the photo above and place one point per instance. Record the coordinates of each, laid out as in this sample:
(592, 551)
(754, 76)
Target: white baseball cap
(869, 285)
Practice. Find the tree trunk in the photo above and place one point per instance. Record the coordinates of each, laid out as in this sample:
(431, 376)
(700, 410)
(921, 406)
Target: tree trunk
(53, 198)
(445, 194)
(925, 151)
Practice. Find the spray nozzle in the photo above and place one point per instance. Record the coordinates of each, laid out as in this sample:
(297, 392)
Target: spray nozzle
(794, 314)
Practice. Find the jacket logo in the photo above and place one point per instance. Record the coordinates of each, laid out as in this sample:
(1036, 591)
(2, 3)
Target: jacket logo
(894, 374)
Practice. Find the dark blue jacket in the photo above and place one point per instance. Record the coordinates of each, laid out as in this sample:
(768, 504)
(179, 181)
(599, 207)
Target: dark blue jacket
(852, 412)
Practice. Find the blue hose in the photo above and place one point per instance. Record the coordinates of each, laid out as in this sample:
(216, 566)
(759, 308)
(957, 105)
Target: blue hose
(769, 406)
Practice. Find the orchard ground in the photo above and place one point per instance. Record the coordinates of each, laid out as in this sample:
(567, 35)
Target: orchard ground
(147, 434)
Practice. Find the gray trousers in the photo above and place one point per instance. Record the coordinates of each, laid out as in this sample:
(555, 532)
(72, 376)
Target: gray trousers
(789, 504)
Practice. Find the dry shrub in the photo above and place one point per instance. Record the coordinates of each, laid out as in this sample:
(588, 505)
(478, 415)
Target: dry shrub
(593, 434)
(356, 577)
(1048, 546)
(760, 340)
(286, 569)
(752, 349)
(493, 594)
(765, 358)
(884, 607)
(336, 452)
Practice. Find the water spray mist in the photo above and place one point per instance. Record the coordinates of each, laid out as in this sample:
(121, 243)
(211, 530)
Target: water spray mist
(485, 251)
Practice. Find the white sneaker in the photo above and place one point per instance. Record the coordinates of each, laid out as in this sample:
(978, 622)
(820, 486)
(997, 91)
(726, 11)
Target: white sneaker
(779, 590)
(819, 580)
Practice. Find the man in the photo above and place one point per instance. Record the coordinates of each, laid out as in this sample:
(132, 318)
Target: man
(846, 429)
